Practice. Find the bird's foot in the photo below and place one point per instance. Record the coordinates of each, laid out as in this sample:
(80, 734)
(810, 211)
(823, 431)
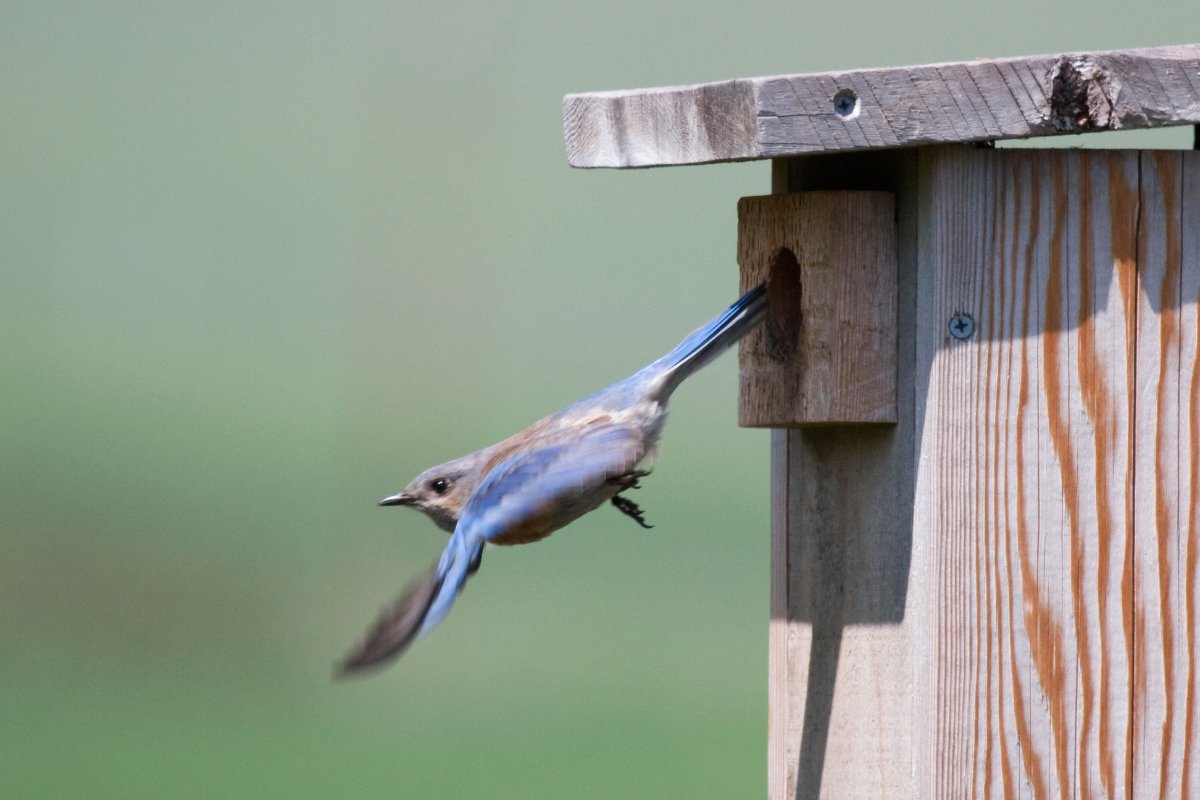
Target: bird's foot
(629, 480)
(631, 509)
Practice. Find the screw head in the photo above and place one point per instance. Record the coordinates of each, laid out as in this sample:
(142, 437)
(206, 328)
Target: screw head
(845, 104)
(961, 326)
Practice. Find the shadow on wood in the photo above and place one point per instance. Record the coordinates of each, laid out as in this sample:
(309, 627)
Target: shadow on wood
(998, 595)
(1002, 588)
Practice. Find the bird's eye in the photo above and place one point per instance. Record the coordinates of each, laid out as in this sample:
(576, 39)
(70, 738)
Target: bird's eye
(439, 486)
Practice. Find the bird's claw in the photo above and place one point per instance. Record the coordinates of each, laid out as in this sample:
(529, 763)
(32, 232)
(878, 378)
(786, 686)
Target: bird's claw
(629, 480)
(631, 509)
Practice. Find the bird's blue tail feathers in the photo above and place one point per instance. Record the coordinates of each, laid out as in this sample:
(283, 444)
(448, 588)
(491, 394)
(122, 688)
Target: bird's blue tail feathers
(708, 342)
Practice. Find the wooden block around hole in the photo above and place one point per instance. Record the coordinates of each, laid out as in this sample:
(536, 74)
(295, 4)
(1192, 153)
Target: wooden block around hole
(826, 354)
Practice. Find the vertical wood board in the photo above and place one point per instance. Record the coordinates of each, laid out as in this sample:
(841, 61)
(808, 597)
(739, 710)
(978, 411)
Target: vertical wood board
(841, 661)
(1166, 762)
(1026, 476)
(1040, 490)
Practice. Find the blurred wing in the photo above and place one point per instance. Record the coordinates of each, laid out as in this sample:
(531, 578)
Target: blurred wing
(541, 489)
(396, 627)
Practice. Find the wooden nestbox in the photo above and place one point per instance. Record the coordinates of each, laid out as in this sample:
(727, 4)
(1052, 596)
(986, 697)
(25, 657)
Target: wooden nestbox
(982, 372)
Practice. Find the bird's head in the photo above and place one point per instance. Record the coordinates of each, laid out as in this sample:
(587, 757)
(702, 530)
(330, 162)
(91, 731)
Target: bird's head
(440, 492)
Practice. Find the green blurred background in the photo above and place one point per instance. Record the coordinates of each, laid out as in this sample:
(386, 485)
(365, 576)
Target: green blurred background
(260, 264)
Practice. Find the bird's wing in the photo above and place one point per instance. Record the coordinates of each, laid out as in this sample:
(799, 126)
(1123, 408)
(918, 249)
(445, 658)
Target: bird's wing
(542, 488)
(547, 485)
(396, 626)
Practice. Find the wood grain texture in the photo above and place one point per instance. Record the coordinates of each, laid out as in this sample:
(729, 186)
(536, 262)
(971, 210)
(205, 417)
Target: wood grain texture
(841, 662)
(782, 684)
(1166, 762)
(987, 99)
(1028, 490)
(827, 352)
(783, 687)
(1041, 492)
(1056, 475)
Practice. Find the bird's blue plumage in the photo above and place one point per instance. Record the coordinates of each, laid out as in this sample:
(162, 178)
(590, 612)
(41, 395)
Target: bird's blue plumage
(535, 482)
(452, 570)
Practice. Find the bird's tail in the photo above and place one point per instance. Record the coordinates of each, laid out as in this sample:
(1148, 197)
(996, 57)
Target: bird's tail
(708, 342)
(419, 608)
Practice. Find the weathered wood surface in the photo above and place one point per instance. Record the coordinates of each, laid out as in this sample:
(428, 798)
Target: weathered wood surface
(1166, 655)
(1028, 495)
(842, 656)
(1046, 640)
(827, 353)
(987, 99)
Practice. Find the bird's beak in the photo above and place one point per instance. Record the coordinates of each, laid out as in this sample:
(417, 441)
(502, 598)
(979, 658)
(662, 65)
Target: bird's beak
(401, 499)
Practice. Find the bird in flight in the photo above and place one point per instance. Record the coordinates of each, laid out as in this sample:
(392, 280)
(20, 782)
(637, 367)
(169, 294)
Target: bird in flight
(529, 485)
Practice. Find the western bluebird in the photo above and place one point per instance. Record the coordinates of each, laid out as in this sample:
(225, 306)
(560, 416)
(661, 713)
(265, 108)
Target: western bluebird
(534, 482)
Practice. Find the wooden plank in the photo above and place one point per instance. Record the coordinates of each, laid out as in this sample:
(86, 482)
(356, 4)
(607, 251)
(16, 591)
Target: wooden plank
(1187, 569)
(783, 688)
(1025, 488)
(1065, 526)
(827, 353)
(987, 99)
(782, 684)
(1187, 565)
(1041, 638)
(841, 646)
(1166, 762)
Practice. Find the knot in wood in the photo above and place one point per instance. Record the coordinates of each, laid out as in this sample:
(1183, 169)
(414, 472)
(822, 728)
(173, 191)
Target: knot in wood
(1081, 97)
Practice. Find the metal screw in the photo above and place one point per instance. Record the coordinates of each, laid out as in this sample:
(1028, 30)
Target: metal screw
(845, 104)
(961, 326)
